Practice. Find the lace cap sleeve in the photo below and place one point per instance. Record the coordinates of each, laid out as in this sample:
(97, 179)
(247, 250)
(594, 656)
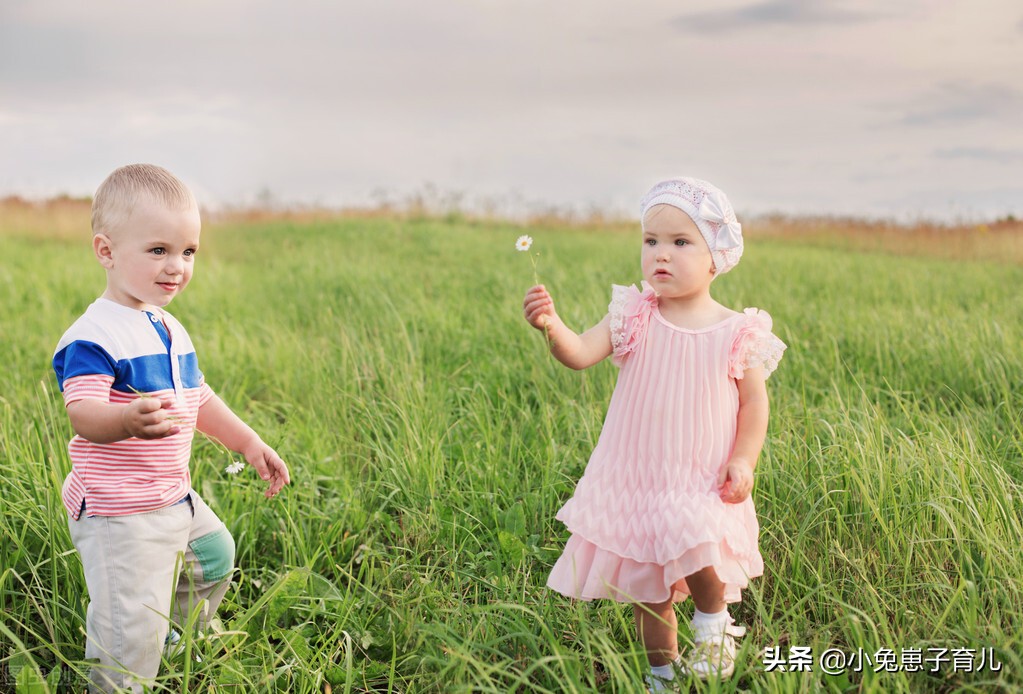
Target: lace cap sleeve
(754, 345)
(630, 311)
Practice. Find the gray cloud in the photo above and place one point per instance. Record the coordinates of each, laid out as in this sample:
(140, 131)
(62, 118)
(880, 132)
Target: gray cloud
(961, 102)
(795, 13)
(988, 154)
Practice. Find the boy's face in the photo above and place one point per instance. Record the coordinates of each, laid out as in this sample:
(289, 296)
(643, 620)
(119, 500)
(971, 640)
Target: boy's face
(149, 258)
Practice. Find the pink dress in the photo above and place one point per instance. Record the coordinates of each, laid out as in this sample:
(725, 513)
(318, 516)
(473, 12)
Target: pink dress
(647, 511)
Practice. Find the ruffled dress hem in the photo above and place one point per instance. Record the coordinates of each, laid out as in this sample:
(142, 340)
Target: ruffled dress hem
(586, 571)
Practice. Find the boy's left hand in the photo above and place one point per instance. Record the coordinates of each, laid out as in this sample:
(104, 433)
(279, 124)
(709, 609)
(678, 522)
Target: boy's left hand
(735, 481)
(269, 466)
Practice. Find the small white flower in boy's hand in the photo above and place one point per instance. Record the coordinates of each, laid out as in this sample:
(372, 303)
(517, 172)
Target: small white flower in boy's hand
(235, 467)
(523, 243)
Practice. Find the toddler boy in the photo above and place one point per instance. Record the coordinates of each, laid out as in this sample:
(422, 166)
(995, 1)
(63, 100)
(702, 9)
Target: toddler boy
(135, 394)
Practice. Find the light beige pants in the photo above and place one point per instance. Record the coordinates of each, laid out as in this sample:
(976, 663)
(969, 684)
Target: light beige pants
(134, 566)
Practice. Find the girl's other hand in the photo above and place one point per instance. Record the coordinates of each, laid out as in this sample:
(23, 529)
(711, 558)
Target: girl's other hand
(735, 481)
(538, 307)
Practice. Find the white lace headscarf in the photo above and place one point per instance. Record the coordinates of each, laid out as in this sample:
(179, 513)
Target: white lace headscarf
(709, 208)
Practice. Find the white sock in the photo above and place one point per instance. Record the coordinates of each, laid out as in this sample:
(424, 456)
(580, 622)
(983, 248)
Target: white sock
(710, 625)
(665, 672)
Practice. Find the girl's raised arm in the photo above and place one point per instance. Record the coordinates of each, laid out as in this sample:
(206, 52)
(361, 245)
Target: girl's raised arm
(571, 349)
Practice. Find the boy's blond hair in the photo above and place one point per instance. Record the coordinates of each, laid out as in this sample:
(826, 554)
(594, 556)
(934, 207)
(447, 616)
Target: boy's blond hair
(117, 195)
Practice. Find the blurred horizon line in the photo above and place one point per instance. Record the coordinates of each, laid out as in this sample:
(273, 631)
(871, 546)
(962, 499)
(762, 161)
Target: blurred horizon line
(431, 201)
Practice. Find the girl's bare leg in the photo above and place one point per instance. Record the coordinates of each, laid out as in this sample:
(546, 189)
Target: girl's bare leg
(707, 590)
(713, 635)
(657, 628)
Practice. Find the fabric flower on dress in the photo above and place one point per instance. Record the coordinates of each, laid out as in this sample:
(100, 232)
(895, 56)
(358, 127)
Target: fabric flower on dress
(630, 311)
(754, 345)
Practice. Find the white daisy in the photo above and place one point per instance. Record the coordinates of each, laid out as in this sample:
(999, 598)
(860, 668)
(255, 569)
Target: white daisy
(523, 243)
(235, 467)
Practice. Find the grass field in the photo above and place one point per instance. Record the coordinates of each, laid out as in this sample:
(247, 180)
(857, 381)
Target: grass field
(431, 442)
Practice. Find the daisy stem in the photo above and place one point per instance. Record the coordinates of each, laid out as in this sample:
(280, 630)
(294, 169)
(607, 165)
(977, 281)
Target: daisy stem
(170, 417)
(533, 257)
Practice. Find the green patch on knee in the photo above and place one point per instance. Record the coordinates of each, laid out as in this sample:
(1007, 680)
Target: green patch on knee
(215, 553)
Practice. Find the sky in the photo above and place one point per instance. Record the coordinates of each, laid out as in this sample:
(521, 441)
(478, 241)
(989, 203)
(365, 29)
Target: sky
(901, 109)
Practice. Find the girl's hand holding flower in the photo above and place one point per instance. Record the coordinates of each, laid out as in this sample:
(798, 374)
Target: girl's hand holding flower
(538, 308)
(543, 310)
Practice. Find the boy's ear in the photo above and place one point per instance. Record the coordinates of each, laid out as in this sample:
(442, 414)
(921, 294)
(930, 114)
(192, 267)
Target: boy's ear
(101, 248)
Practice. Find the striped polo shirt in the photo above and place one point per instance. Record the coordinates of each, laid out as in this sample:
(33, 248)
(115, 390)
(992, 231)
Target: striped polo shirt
(116, 354)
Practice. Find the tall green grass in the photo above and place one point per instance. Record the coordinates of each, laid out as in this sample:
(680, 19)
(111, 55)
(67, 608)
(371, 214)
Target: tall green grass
(431, 442)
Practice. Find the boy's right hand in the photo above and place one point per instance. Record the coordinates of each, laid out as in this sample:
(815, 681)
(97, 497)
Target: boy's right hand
(538, 307)
(146, 418)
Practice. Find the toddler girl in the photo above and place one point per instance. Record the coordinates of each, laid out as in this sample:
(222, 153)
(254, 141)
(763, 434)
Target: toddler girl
(663, 509)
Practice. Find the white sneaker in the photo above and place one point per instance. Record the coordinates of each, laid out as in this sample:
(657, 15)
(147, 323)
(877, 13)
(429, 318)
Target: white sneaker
(713, 656)
(172, 644)
(173, 648)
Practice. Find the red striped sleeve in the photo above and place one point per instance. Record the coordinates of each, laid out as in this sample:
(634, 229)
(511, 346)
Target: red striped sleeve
(91, 387)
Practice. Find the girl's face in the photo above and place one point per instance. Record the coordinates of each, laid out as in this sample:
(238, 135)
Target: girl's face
(149, 259)
(676, 259)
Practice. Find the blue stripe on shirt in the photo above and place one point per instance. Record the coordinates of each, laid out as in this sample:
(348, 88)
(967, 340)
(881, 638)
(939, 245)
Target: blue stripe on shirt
(145, 374)
(81, 358)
